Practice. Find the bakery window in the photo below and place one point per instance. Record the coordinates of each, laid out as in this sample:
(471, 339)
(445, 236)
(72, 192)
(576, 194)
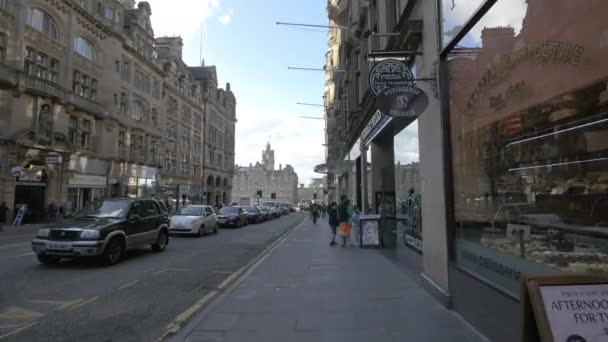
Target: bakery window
(529, 140)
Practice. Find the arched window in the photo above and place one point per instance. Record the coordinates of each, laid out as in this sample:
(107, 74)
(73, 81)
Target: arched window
(42, 21)
(85, 49)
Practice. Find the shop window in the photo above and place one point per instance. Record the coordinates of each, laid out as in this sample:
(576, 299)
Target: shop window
(42, 21)
(529, 131)
(83, 47)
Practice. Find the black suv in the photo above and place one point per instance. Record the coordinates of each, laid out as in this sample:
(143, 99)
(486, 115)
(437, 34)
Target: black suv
(107, 228)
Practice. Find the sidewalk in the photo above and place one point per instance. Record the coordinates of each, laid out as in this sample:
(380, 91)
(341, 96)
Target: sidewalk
(24, 227)
(305, 290)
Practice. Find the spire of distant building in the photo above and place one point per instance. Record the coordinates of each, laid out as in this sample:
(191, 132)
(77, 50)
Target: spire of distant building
(268, 158)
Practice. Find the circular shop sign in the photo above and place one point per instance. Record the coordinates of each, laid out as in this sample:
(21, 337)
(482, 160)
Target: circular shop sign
(389, 74)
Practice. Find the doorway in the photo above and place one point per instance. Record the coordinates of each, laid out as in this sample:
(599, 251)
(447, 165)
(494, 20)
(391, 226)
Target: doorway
(34, 196)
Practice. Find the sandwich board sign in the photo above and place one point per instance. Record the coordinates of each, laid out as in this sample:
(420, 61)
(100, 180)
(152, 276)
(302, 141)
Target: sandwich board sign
(565, 308)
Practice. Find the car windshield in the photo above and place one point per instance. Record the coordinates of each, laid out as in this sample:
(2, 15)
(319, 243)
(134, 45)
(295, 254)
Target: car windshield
(105, 209)
(191, 211)
(229, 210)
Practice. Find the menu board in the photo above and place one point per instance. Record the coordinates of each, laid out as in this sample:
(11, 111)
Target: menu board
(567, 308)
(370, 231)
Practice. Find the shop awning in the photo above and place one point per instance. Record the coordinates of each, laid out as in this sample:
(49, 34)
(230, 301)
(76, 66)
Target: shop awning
(334, 166)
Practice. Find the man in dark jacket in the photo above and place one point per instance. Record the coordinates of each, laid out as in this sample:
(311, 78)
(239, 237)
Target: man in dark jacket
(333, 221)
(3, 212)
(344, 217)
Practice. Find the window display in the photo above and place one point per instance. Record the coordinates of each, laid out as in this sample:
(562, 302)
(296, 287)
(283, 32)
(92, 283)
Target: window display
(529, 130)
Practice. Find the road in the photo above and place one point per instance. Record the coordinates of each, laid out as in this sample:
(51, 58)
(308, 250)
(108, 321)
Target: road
(140, 299)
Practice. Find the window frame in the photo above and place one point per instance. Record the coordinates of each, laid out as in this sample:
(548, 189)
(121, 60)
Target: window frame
(84, 48)
(48, 24)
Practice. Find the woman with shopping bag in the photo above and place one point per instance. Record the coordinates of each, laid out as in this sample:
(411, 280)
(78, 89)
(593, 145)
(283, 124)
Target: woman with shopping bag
(344, 215)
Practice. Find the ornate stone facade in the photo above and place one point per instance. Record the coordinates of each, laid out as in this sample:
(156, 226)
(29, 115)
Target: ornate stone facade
(92, 104)
(283, 183)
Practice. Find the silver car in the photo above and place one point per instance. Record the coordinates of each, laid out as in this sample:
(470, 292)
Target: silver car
(195, 219)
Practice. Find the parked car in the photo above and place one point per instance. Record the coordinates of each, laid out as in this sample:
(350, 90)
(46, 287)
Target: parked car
(107, 228)
(266, 214)
(196, 219)
(283, 208)
(254, 215)
(232, 216)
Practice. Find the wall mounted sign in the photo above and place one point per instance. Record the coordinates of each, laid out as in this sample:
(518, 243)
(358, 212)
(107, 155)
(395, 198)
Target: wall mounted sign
(53, 159)
(375, 125)
(392, 82)
(565, 308)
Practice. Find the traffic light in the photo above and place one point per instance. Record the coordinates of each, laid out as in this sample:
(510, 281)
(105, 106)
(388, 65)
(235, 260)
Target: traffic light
(260, 193)
(315, 195)
(273, 195)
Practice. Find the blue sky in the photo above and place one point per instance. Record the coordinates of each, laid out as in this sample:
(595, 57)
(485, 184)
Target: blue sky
(251, 52)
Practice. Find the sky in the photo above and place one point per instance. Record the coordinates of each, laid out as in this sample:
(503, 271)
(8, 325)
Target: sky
(251, 52)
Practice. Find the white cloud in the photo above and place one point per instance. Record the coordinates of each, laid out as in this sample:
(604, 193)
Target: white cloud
(225, 19)
(183, 19)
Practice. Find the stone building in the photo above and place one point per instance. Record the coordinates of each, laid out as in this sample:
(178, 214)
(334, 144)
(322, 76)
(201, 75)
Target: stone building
(406, 177)
(280, 185)
(84, 97)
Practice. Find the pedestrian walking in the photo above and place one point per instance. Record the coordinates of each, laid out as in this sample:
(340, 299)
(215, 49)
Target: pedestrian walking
(314, 211)
(344, 219)
(355, 226)
(3, 214)
(332, 212)
(52, 212)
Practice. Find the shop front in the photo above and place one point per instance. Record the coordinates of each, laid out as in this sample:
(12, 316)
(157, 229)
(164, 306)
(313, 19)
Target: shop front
(527, 107)
(87, 181)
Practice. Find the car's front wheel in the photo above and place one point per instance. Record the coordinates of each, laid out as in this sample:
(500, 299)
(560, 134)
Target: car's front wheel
(215, 228)
(114, 251)
(47, 259)
(161, 242)
(201, 230)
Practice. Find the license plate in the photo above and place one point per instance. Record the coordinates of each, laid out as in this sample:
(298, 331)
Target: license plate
(222, 221)
(59, 246)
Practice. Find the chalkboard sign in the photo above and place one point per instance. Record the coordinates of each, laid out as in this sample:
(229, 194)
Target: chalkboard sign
(370, 231)
(567, 308)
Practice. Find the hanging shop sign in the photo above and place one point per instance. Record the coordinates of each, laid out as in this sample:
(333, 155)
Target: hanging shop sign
(392, 82)
(30, 176)
(375, 125)
(569, 308)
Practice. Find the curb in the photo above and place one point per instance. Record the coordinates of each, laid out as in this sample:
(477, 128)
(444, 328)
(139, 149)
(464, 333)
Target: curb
(215, 297)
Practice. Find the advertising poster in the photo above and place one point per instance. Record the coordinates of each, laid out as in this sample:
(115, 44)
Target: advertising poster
(370, 232)
(577, 313)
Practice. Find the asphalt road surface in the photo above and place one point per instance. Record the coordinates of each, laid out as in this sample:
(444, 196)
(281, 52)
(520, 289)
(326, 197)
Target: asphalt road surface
(140, 299)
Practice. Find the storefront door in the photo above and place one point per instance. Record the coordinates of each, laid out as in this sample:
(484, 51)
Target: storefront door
(33, 196)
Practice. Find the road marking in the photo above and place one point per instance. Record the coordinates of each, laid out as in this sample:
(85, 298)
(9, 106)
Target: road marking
(128, 285)
(21, 314)
(15, 245)
(228, 280)
(61, 304)
(16, 331)
(223, 272)
(175, 325)
(26, 254)
(171, 270)
(83, 303)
